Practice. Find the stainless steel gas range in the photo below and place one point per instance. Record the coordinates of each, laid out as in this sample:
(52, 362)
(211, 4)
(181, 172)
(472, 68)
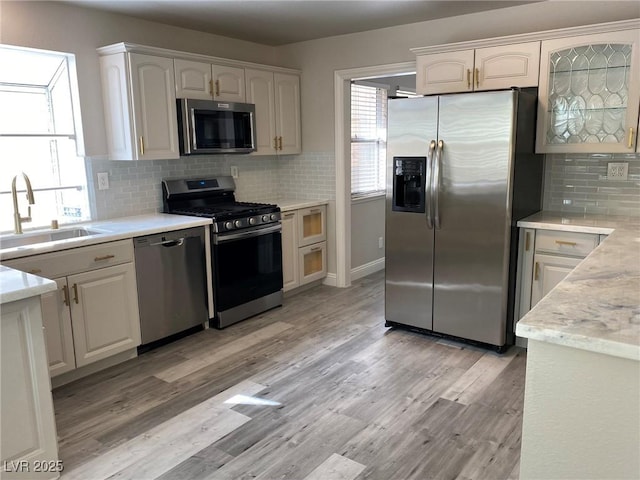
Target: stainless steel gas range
(246, 245)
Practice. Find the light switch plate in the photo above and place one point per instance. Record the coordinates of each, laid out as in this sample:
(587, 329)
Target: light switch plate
(617, 171)
(234, 171)
(103, 181)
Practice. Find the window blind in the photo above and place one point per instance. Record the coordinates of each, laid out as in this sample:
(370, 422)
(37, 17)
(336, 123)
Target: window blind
(368, 139)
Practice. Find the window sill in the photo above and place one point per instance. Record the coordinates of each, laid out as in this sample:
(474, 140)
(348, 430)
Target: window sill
(369, 197)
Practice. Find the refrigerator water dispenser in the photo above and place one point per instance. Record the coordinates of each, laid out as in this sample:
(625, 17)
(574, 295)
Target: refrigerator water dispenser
(409, 184)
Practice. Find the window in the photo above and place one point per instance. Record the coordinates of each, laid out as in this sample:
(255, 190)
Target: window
(368, 139)
(39, 125)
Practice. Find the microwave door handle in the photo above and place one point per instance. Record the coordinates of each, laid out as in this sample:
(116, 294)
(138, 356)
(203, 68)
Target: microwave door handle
(427, 186)
(193, 144)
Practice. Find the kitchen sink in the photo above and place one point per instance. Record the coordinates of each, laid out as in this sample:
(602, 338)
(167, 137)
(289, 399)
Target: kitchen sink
(33, 238)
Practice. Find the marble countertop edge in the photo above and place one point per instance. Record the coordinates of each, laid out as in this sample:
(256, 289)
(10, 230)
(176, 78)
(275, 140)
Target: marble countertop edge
(582, 342)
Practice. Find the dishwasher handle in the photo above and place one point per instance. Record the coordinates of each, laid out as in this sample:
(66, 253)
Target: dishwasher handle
(169, 243)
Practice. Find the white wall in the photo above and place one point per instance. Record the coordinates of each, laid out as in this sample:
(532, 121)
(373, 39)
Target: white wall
(367, 227)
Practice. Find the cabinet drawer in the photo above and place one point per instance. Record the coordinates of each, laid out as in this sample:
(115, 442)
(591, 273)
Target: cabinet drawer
(565, 243)
(81, 259)
(312, 225)
(312, 262)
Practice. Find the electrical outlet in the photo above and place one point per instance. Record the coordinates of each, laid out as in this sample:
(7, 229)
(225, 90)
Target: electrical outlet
(103, 181)
(234, 171)
(380, 242)
(617, 171)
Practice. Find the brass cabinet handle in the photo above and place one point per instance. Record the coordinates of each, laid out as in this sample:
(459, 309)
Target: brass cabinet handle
(630, 142)
(536, 271)
(477, 76)
(315, 249)
(35, 271)
(103, 257)
(527, 241)
(65, 293)
(469, 79)
(141, 145)
(314, 210)
(280, 142)
(287, 215)
(564, 242)
(275, 143)
(211, 88)
(217, 88)
(75, 293)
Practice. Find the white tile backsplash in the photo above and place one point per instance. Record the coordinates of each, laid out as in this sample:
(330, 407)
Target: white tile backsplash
(134, 187)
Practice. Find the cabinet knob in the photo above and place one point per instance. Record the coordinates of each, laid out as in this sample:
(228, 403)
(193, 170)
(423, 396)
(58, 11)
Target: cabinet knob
(468, 79)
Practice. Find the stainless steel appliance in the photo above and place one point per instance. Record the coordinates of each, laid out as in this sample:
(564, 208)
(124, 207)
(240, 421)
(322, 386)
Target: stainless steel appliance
(170, 273)
(246, 245)
(207, 126)
(461, 173)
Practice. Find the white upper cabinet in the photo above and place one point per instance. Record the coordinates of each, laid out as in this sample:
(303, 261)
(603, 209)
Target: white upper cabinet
(489, 68)
(589, 93)
(277, 100)
(287, 96)
(207, 81)
(140, 106)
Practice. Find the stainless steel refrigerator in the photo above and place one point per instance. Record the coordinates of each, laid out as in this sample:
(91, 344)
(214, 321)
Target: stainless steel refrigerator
(461, 171)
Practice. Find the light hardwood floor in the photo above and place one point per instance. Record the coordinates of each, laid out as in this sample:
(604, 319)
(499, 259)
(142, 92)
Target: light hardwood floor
(318, 389)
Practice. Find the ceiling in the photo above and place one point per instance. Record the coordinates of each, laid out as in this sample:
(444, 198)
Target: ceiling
(280, 22)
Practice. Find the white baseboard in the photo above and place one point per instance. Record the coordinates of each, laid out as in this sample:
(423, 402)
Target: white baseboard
(367, 269)
(331, 280)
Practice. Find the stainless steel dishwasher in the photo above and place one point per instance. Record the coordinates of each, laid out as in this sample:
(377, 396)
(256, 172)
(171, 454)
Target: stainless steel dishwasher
(172, 287)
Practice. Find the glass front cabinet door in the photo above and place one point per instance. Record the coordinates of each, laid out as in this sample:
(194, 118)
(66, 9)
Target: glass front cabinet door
(589, 94)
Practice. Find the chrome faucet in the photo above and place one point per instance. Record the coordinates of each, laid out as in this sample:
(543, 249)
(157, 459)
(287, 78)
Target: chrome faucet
(17, 218)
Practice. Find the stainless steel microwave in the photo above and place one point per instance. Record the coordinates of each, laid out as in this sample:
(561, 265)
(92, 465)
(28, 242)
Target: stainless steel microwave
(208, 127)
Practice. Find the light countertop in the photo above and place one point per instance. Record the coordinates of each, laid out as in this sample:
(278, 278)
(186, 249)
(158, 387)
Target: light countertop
(597, 306)
(110, 230)
(288, 204)
(16, 285)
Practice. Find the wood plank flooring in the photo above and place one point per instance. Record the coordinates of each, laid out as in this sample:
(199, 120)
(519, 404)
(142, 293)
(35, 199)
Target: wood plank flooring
(318, 389)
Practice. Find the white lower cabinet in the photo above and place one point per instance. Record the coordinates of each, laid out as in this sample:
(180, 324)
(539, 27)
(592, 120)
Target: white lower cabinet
(94, 313)
(28, 447)
(548, 271)
(546, 258)
(304, 246)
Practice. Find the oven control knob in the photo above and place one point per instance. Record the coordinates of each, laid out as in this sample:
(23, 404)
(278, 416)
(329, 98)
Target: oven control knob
(265, 218)
(237, 223)
(273, 216)
(253, 221)
(228, 225)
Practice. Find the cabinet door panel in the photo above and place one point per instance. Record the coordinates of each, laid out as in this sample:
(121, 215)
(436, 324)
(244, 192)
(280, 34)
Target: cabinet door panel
(548, 271)
(56, 318)
(589, 93)
(229, 84)
(193, 79)
(154, 104)
(260, 91)
(28, 428)
(289, 251)
(287, 98)
(104, 313)
(444, 72)
(507, 66)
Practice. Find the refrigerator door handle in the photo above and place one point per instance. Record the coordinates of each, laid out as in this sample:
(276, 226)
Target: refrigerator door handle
(427, 193)
(435, 190)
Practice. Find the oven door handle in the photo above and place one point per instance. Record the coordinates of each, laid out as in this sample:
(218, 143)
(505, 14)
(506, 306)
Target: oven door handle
(218, 238)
